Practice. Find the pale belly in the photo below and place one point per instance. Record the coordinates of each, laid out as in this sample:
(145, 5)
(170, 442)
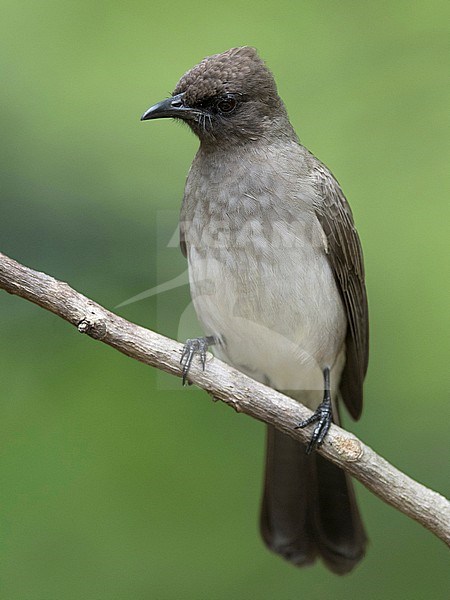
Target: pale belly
(280, 316)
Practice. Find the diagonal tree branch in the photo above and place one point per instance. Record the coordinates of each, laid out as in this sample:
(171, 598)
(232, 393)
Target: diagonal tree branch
(224, 383)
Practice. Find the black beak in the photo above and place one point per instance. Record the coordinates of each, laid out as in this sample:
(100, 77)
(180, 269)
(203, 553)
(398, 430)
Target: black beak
(171, 107)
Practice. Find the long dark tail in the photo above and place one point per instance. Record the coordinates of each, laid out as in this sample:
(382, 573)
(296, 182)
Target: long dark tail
(309, 508)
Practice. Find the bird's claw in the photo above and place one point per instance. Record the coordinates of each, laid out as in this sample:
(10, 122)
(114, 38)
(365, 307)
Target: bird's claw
(323, 416)
(191, 348)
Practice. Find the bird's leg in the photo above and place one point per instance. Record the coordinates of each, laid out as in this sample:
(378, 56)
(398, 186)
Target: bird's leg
(323, 415)
(191, 348)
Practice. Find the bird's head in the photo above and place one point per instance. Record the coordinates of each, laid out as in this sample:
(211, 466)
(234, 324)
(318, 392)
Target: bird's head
(227, 98)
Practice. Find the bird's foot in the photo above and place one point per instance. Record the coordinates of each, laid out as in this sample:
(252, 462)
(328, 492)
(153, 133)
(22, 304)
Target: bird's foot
(192, 347)
(323, 416)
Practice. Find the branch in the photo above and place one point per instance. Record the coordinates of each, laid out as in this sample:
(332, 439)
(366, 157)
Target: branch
(232, 387)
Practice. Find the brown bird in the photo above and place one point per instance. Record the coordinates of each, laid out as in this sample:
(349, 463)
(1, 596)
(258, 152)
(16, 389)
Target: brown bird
(277, 280)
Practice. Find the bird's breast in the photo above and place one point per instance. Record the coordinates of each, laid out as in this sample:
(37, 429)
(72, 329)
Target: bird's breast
(260, 278)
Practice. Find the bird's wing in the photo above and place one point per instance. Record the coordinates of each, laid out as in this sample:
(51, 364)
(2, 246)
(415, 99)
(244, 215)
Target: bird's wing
(183, 247)
(346, 259)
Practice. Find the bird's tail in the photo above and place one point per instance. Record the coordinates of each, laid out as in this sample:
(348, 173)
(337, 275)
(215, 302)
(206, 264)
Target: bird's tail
(309, 508)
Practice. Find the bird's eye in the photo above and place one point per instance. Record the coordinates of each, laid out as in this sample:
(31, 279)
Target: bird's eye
(226, 105)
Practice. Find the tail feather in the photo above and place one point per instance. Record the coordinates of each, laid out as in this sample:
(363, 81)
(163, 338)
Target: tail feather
(309, 508)
(340, 536)
(285, 523)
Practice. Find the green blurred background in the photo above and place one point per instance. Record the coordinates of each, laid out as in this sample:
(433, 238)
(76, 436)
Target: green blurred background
(116, 483)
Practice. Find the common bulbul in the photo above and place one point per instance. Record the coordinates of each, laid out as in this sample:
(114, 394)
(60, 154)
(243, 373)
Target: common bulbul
(277, 280)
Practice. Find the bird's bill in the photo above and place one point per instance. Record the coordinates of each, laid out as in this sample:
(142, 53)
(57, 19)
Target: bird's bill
(173, 107)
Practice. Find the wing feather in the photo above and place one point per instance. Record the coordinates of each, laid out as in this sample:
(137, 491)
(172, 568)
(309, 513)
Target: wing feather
(346, 259)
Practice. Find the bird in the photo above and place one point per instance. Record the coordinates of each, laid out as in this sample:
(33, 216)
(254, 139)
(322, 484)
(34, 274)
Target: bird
(277, 280)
